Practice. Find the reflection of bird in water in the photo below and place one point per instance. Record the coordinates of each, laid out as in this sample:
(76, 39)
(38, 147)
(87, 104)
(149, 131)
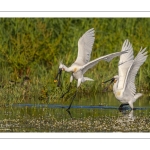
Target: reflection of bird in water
(69, 113)
(124, 87)
(126, 117)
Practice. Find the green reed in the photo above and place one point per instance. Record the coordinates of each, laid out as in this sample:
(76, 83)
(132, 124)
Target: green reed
(34, 47)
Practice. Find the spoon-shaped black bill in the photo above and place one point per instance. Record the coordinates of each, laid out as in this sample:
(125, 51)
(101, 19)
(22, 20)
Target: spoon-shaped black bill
(58, 76)
(112, 80)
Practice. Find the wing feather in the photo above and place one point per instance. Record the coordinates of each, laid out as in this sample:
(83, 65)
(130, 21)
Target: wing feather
(125, 62)
(85, 45)
(129, 87)
(107, 58)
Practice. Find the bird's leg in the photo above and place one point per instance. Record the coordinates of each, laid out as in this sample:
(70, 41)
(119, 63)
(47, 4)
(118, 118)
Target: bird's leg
(122, 105)
(66, 91)
(71, 101)
(131, 104)
(71, 79)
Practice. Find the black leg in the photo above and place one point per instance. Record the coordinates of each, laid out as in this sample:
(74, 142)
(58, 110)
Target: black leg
(66, 91)
(120, 107)
(71, 101)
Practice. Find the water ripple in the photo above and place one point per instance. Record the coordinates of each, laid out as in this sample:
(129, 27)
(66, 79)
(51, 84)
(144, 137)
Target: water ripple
(76, 106)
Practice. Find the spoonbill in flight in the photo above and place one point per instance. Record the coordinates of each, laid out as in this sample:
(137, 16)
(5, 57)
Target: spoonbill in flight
(82, 62)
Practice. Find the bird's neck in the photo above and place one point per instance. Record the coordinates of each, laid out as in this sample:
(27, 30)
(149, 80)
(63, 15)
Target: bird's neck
(72, 68)
(67, 69)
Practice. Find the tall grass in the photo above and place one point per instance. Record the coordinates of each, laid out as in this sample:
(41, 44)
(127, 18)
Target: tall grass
(34, 47)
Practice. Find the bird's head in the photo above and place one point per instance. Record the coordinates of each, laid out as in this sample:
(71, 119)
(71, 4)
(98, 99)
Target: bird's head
(112, 80)
(61, 66)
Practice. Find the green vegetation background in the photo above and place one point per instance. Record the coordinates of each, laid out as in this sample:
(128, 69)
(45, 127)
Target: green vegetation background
(34, 47)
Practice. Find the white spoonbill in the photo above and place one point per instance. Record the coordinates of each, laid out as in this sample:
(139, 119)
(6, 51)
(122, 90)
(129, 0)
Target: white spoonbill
(124, 87)
(83, 63)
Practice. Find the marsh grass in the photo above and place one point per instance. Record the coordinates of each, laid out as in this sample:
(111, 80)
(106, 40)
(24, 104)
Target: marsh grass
(33, 47)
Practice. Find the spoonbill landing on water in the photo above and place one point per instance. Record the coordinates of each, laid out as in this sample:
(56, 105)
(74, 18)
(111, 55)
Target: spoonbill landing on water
(83, 63)
(124, 87)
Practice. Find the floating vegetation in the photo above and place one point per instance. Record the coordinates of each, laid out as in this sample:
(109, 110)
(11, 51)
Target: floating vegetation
(42, 118)
(85, 124)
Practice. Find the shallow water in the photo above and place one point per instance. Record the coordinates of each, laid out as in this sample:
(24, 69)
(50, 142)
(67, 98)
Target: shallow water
(97, 113)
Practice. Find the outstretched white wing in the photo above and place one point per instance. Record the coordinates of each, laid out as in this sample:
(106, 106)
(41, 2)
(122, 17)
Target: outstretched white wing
(125, 62)
(107, 58)
(129, 88)
(85, 45)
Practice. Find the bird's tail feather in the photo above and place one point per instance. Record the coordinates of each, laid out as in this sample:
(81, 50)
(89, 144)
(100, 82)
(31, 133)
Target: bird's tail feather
(137, 96)
(86, 78)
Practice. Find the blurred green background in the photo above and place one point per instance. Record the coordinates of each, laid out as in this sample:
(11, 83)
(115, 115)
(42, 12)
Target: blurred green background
(33, 47)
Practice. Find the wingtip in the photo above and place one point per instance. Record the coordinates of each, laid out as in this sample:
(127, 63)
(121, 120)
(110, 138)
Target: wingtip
(92, 29)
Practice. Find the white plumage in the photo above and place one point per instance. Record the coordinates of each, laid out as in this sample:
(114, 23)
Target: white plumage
(124, 84)
(82, 62)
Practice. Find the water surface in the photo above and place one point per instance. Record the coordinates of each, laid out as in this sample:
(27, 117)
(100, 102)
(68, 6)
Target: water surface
(98, 113)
